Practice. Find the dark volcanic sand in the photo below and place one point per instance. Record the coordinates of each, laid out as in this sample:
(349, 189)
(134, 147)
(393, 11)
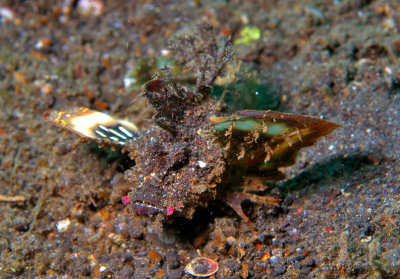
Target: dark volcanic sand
(333, 59)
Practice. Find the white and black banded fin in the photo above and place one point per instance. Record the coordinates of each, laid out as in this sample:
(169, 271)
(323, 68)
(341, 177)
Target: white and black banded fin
(119, 133)
(94, 125)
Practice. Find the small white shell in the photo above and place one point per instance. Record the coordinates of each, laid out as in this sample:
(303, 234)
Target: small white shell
(202, 267)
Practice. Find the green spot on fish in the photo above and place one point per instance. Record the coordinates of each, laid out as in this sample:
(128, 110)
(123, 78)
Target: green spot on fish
(239, 125)
(274, 129)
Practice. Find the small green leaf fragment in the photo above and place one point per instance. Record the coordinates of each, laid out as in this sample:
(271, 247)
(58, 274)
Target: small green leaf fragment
(248, 34)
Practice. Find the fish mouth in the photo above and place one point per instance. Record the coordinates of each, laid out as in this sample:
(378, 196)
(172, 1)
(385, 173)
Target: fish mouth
(143, 208)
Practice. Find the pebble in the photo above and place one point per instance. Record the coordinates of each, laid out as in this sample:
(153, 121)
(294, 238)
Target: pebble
(63, 225)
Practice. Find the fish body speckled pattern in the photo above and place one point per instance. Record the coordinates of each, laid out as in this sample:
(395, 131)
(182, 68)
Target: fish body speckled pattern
(189, 156)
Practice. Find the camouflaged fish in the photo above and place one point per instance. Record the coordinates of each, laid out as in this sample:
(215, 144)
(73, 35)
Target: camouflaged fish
(193, 153)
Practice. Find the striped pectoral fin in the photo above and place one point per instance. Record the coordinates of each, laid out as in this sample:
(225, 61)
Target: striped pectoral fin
(94, 125)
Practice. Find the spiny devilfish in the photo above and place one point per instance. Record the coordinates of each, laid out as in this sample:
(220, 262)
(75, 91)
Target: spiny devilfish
(168, 178)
